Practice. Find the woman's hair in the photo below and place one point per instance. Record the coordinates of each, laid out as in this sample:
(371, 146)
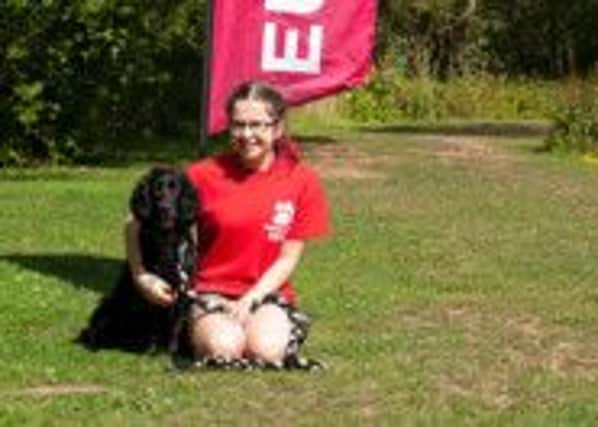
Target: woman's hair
(259, 91)
(276, 106)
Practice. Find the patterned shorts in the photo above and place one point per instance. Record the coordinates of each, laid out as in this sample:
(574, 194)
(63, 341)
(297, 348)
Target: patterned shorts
(300, 323)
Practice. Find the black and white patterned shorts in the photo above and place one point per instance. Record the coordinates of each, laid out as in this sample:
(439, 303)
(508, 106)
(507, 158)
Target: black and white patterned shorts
(300, 324)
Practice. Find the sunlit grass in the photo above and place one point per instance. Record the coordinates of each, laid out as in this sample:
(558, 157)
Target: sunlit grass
(459, 288)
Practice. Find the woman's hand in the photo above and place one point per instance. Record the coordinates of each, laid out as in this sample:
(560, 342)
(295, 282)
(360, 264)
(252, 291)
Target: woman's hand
(241, 308)
(154, 289)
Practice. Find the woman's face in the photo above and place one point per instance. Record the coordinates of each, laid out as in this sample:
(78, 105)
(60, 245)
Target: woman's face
(253, 132)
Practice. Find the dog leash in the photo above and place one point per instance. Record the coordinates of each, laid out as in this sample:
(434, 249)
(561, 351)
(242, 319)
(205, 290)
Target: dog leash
(185, 297)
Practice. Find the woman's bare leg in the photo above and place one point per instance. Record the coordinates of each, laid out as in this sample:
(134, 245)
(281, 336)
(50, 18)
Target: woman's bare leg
(268, 333)
(218, 335)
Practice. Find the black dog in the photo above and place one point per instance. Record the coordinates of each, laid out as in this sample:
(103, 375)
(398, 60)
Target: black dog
(165, 204)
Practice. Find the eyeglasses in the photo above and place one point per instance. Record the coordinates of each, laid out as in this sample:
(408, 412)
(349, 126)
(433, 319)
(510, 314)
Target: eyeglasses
(238, 126)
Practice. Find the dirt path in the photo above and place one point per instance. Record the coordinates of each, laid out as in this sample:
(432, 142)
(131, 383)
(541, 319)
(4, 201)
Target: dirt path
(349, 160)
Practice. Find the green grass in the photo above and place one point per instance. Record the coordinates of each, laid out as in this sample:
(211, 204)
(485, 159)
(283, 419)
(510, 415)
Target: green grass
(459, 289)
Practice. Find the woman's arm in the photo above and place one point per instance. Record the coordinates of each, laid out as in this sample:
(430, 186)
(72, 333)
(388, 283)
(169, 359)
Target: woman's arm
(132, 248)
(154, 289)
(274, 277)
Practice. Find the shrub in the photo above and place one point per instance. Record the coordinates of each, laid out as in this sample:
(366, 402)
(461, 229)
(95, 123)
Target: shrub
(576, 123)
(75, 73)
(394, 97)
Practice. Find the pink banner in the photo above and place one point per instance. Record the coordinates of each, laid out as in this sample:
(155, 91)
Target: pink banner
(307, 48)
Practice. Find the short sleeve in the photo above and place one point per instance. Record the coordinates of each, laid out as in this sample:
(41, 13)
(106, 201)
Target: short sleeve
(194, 173)
(312, 215)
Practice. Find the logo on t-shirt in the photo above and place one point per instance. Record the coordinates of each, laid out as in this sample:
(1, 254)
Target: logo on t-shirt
(280, 221)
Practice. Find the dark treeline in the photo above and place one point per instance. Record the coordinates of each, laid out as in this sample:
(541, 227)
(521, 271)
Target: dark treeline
(74, 73)
(537, 38)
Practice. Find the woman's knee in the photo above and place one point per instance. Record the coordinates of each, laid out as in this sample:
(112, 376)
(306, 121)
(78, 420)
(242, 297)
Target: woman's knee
(268, 333)
(218, 335)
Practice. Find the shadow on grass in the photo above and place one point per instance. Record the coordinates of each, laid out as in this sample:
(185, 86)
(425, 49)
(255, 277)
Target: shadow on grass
(82, 271)
(171, 151)
(469, 128)
(119, 154)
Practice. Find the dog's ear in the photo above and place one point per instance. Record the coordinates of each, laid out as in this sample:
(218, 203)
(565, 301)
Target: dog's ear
(188, 201)
(140, 201)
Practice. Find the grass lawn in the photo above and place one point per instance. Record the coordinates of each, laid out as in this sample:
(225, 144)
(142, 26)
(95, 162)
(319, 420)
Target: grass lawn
(459, 289)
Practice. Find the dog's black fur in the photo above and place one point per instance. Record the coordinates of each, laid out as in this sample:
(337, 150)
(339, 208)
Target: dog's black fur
(165, 204)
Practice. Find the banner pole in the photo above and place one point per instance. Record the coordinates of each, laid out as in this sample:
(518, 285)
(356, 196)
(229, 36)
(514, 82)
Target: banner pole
(205, 91)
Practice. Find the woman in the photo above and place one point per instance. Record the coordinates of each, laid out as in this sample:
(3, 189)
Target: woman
(260, 204)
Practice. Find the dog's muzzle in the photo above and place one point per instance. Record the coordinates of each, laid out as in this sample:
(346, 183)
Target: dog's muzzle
(167, 190)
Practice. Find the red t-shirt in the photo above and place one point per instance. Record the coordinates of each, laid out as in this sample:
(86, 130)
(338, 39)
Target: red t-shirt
(245, 217)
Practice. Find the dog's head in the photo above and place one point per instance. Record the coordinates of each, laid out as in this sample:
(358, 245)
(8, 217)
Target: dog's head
(164, 198)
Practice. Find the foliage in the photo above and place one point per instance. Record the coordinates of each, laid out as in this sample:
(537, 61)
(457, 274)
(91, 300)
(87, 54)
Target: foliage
(440, 38)
(391, 97)
(576, 122)
(76, 73)
(544, 38)
(435, 38)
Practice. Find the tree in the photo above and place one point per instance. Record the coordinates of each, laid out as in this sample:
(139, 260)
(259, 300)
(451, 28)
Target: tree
(547, 38)
(433, 33)
(73, 73)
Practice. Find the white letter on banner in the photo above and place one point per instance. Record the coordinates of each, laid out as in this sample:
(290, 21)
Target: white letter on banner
(294, 6)
(290, 61)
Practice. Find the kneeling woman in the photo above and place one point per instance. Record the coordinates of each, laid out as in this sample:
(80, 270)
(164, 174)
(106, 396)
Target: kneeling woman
(260, 204)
